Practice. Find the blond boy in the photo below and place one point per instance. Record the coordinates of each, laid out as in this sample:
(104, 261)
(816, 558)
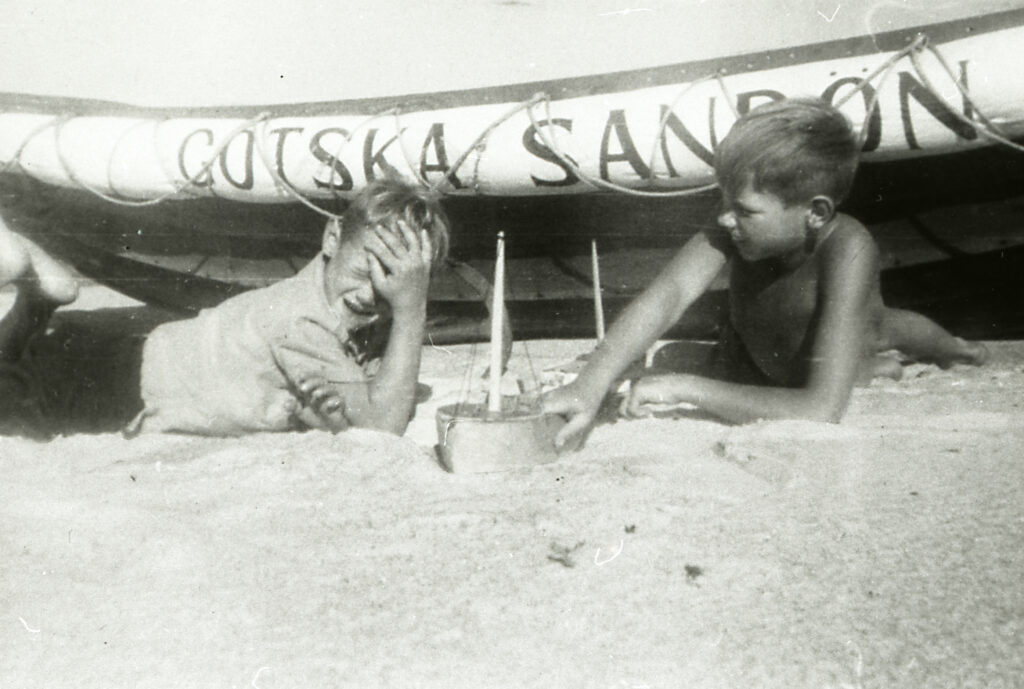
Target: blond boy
(279, 358)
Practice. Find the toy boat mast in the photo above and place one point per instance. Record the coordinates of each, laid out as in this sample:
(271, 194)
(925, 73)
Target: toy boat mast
(595, 272)
(497, 319)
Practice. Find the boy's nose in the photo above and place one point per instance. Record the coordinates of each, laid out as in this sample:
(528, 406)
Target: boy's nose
(727, 219)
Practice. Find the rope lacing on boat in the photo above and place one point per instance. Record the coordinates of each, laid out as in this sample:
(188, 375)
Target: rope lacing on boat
(178, 187)
(546, 131)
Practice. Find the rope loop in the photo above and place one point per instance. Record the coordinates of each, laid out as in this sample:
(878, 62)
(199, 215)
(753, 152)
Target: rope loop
(984, 125)
(480, 143)
(281, 182)
(179, 188)
(975, 118)
(16, 158)
(413, 167)
(345, 142)
(597, 182)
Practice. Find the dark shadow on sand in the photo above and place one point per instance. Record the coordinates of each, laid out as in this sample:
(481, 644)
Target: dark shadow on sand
(79, 376)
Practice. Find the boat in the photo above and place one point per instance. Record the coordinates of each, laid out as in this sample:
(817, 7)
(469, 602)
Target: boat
(574, 122)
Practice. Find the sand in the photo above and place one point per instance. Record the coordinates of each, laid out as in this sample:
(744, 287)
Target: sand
(670, 552)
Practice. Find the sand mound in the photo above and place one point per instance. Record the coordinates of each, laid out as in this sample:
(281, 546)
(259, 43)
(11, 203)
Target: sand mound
(670, 552)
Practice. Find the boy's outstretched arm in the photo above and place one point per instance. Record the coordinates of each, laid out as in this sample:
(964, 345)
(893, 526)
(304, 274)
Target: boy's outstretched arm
(847, 288)
(400, 271)
(660, 305)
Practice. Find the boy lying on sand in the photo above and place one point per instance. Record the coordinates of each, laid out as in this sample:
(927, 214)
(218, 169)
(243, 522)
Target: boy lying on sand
(806, 319)
(272, 359)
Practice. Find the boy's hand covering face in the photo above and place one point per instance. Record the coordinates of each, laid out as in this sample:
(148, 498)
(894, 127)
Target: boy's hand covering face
(399, 263)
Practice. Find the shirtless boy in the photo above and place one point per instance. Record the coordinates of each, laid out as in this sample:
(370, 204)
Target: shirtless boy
(273, 359)
(805, 312)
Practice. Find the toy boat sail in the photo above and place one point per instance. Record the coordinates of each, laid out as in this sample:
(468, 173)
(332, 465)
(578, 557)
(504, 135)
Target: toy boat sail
(506, 432)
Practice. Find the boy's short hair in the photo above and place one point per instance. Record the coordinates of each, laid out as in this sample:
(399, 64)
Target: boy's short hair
(386, 201)
(796, 149)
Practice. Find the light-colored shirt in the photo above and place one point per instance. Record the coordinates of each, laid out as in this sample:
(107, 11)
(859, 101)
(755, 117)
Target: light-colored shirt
(234, 368)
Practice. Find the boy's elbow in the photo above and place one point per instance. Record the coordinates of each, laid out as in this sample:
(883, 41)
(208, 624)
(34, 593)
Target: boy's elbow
(395, 427)
(392, 429)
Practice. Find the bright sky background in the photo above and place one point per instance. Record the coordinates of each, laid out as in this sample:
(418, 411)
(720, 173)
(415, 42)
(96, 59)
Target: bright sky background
(207, 52)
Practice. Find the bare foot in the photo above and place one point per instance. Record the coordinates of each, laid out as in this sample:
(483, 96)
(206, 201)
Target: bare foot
(969, 353)
(972, 353)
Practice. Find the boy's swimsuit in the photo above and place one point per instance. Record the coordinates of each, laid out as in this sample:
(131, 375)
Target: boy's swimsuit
(232, 369)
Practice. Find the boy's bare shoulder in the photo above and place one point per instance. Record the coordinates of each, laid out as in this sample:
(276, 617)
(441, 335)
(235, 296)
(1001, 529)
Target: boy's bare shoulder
(848, 238)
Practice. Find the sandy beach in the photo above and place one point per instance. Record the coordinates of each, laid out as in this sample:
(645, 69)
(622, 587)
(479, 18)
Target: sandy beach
(674, 551)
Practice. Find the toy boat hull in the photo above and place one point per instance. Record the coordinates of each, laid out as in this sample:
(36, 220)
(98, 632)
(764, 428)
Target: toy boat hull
(470, 442)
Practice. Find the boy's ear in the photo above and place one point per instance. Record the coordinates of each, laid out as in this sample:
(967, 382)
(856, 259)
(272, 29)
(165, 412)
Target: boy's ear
(822, 209)
(332, 237)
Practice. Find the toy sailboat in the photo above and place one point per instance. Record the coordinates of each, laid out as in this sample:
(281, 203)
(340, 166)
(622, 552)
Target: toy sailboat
(509, 430)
